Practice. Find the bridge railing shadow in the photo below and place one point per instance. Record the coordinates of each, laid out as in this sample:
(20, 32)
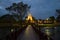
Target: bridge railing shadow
(13, 35)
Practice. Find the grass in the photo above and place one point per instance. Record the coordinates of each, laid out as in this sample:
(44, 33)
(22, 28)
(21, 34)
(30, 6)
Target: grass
(49, 25)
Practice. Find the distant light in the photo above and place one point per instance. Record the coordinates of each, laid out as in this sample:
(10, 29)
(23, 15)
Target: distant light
(29, 17)
(47, 19)
(47, 31)
(12, 30)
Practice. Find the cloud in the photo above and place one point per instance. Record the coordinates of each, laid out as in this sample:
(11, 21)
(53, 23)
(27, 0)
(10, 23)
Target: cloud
(39, 8)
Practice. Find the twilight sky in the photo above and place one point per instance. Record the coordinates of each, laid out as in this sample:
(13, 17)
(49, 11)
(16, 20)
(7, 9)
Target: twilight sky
(41, 9)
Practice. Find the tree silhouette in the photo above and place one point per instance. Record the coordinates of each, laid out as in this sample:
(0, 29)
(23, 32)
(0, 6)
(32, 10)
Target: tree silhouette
(58, 11)
(19, 10)
(58, 19)
(58, 16)
(7, 18)
(52, 18)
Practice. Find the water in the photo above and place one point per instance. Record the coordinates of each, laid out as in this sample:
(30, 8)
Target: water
(53, 32)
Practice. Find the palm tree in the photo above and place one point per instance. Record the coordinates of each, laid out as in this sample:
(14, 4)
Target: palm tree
(19, 10)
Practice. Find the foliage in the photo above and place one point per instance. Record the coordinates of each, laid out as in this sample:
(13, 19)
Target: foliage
(7, 19)
(18, 9)
(58, 18)
(58, 11)
(52, 18)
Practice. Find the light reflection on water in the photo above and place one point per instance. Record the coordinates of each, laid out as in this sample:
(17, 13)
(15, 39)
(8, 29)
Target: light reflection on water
(53, 32)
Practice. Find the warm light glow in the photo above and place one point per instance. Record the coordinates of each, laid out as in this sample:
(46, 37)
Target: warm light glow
(29, 17)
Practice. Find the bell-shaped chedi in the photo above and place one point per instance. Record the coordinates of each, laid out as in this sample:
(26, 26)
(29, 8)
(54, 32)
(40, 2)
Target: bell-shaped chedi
(30, 18)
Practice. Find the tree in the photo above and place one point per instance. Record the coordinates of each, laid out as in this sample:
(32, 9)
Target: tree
(58, 16)
(19, 10)
(58, 19)
(7, 18)
(58, 11)
(52, 18)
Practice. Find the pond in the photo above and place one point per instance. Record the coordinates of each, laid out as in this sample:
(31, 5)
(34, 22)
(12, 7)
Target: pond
(53, 32)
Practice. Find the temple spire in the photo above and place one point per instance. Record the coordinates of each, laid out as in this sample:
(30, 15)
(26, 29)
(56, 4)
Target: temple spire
(29, 17)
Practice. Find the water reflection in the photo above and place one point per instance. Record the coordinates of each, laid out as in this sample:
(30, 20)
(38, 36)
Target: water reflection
(53, 32)
(12, 30)
(47, 31)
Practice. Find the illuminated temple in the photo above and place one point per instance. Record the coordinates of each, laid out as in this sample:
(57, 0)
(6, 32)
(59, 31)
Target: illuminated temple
(29, 17)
